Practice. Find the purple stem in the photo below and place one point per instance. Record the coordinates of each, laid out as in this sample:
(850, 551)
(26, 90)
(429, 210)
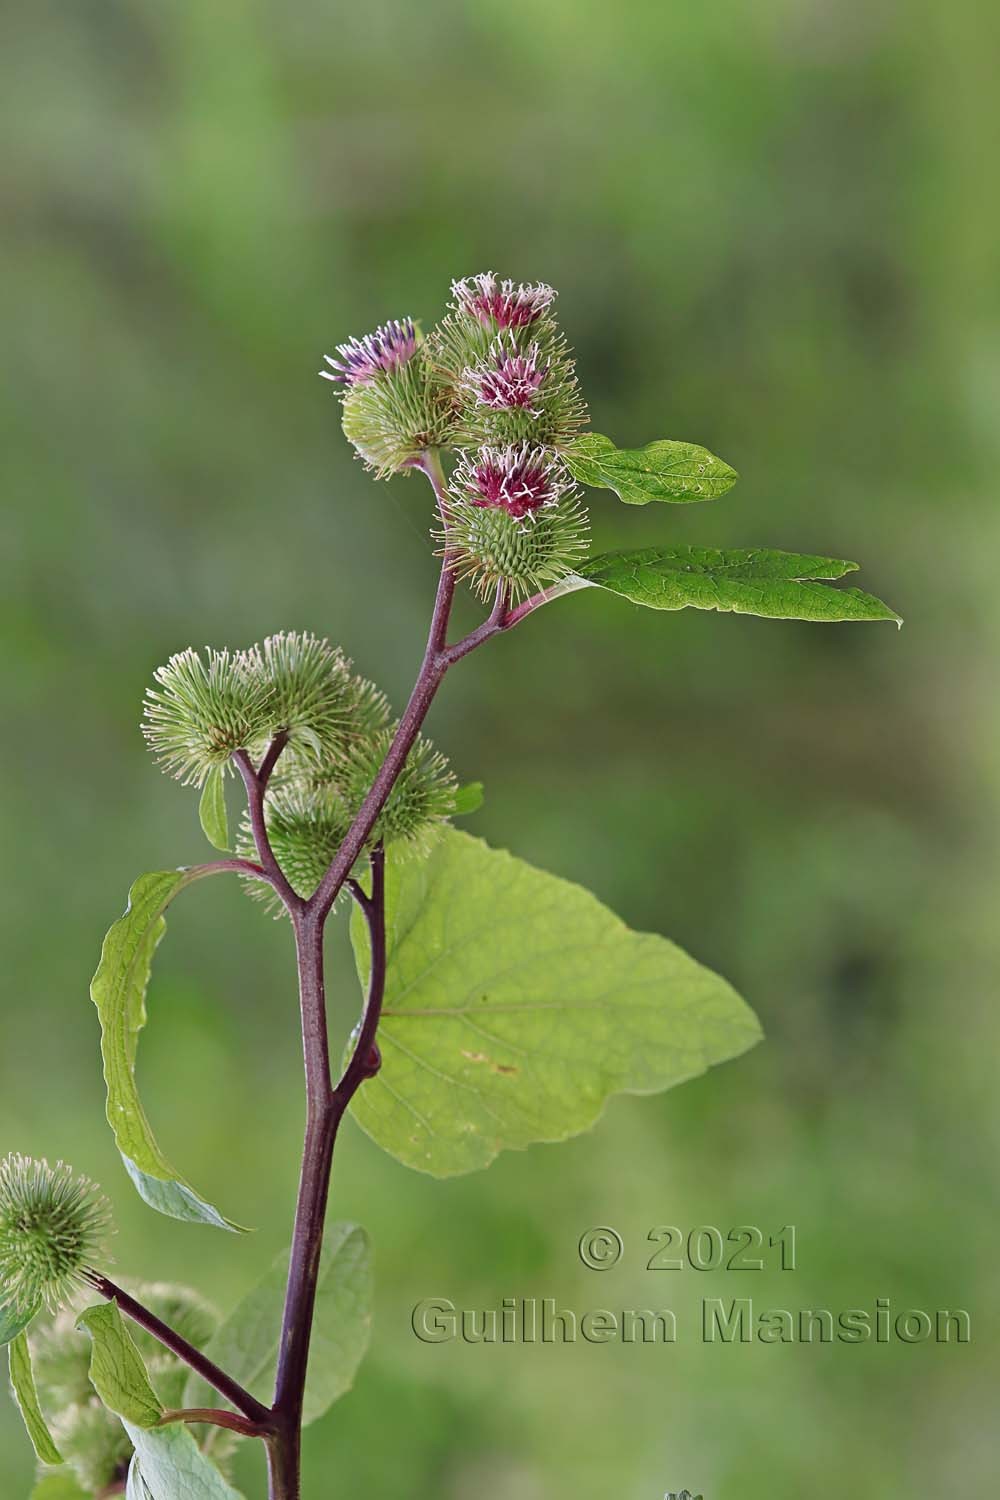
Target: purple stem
(214, 1418)
(255, 782)
(238, 866)
(326, 1105)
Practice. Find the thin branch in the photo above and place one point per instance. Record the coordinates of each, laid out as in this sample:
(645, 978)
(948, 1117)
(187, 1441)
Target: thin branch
(312, 1005)
(364, 1058)
(170, 1339)
(270, 760)
(438, 636)
(323, 1116)
(236, 866)
(359, 893)
(255, 788)
(215, 1417)
(494, 624)
(522, 611)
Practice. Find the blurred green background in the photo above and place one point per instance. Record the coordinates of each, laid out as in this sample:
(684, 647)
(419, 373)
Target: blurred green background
(773, 233)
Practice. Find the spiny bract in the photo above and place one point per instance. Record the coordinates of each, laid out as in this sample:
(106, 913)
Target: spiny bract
(204, 710)
(313, 695)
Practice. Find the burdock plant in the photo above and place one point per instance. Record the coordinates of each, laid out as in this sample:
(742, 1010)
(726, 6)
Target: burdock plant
(501, 1005)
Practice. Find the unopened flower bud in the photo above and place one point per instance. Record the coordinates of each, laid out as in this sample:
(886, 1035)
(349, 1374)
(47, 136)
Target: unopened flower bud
(52, 1226)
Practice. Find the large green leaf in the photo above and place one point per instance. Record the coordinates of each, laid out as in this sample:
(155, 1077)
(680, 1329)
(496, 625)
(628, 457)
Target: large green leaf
(12, 1320)
(22, 1383)
(246, 1345)
(118, 989)
(117, 1372)
(745, 580)
(212, 809)
(169, 1465)
(664, 470)
(517, 1004)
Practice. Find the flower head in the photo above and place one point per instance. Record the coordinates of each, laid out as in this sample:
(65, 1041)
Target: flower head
(507, 380)
(490, 548)
(502, 304)
(379, 353)
(52, 1224)
(518, 479)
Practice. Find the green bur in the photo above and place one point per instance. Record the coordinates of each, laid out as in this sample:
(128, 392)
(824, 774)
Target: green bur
(90, 1438)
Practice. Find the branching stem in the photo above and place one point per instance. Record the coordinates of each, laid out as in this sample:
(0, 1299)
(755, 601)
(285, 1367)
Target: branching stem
(438, 657)
(326, 1103)
(326, 1107)
(255, 781)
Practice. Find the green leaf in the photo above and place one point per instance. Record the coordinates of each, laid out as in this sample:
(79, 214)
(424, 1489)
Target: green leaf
(12, 1320)
(22, 1383)
(665, 470)
(246, 1345)
(212, 809)
(745, 580)
(118, 989)
(117, 1372)
(468, 799)
(169, 1465)
(517, 1004)
(58, 1486)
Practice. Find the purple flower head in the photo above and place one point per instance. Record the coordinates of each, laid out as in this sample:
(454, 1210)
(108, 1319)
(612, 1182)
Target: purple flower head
(508, 380)
(519, 480)
(378, 353)
(501, 304)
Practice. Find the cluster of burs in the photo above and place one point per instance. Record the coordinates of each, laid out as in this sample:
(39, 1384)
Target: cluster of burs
(336, 727)
(91, 1439)
(494, 384)
(54, 1224)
